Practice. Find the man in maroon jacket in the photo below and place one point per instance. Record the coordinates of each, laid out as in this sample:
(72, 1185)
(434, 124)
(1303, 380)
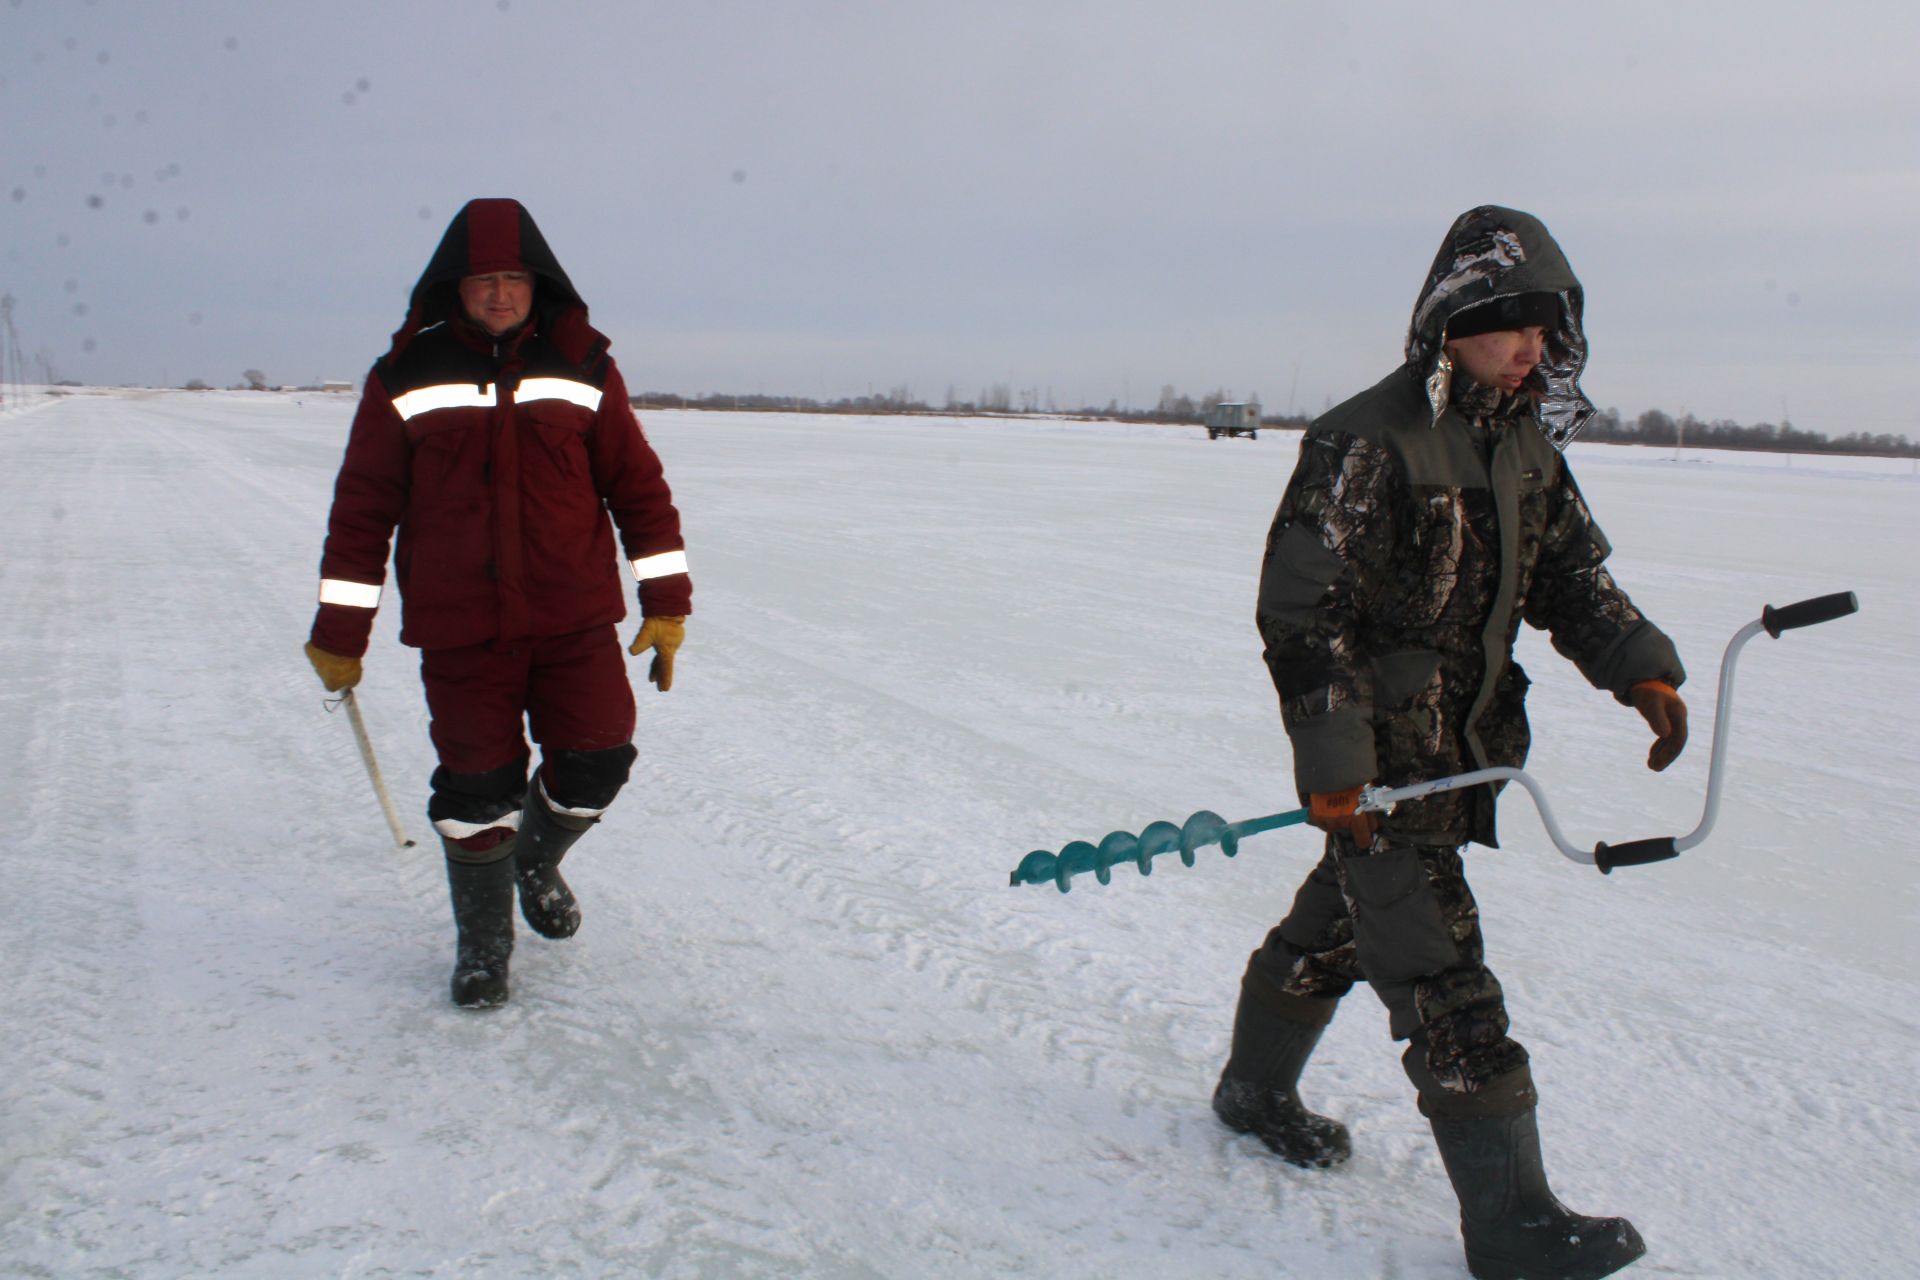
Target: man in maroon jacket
(496, 436)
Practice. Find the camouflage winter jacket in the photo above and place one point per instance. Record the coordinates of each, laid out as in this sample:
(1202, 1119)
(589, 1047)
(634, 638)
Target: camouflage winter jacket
(1423, 523)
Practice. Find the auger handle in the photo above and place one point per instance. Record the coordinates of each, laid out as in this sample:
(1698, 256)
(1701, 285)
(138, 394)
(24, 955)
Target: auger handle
(1808, 612)
(1633, 853)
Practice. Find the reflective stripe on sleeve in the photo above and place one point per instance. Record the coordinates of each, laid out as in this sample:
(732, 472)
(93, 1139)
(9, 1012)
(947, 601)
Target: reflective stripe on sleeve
(457, 395)
(659, 566)
(355, 595)
(580, 393)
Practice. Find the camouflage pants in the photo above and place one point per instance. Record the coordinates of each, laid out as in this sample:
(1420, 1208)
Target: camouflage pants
(1402, 919)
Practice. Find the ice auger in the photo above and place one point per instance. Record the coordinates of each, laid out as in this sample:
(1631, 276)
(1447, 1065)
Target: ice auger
(1205, 828)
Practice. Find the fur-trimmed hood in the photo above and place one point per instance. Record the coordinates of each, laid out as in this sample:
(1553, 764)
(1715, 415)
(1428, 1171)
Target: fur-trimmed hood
(1491, 252)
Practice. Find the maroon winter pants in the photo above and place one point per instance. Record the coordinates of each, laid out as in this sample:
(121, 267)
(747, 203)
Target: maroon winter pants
(570, 690)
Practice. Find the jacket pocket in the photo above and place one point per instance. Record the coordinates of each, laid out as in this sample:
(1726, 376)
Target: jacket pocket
(1298, 571)
(1398, 931)
(1397, 677)
(439, 450)
(561, 430)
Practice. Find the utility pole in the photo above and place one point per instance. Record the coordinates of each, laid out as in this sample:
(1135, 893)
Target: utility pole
(12, 367)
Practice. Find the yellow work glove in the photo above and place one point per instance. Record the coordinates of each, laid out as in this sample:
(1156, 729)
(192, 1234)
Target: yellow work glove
(336, 672)
(1666, 714)
(663, 636)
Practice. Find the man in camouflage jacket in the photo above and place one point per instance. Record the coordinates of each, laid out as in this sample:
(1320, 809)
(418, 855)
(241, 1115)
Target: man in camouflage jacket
(1426, 519)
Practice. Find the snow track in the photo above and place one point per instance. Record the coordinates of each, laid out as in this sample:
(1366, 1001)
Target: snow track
(807, 1029)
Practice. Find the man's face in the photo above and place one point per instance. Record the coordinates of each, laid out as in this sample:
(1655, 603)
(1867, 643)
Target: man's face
(499, 301)
(1500, 359)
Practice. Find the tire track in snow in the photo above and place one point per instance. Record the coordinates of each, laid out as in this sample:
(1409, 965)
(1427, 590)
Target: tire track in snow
(75, 938)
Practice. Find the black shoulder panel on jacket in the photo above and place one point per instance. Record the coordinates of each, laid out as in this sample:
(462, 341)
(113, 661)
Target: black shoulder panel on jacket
(542, 359)
(1396, 400)
(435, 358)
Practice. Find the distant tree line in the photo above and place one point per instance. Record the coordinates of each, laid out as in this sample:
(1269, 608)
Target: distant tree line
(1173, 408)
(1657, 428)
(1176, 408)
(897, 400)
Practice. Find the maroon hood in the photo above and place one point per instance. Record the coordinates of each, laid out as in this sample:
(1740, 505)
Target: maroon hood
(491, 235)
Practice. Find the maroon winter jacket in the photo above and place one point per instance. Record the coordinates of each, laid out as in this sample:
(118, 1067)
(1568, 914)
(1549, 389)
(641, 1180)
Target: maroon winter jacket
(499, 461)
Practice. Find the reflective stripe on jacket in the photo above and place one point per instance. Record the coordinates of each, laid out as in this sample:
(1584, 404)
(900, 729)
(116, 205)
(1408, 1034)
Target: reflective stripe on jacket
(500, 474)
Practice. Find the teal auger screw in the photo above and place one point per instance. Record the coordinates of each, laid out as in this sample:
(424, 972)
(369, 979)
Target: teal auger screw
(1203, 828)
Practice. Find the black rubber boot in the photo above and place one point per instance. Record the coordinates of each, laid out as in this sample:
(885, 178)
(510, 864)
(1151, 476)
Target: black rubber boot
(483, 915)
(1513, 1227)
(545, 836)
(1273, 1035)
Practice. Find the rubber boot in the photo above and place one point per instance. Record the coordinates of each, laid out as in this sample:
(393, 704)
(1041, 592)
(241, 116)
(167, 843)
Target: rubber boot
(1513, 1227)
(545, 836)
(483, 916)
(1273, 1036)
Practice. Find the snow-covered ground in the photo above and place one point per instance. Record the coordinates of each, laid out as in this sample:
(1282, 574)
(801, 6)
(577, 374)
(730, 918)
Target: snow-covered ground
(808, 1030)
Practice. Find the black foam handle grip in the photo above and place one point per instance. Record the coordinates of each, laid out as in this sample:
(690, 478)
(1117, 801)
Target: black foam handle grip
(1808, 612)
(1633, 853)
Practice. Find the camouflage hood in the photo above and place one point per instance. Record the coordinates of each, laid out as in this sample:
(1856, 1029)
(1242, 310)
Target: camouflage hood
(1490, 253)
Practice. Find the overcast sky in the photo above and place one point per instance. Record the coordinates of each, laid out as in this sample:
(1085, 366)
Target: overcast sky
(1095, 198)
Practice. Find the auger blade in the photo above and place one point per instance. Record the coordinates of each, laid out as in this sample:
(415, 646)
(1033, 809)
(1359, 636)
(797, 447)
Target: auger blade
(1202, 829)
(1117, 847)
(1037, 867)
(1074, 859)
(1158, 838)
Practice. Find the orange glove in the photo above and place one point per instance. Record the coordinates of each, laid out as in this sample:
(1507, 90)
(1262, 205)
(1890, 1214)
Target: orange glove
(1335, 811)
(1666, 715)
(336, 672)
(662, 635)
